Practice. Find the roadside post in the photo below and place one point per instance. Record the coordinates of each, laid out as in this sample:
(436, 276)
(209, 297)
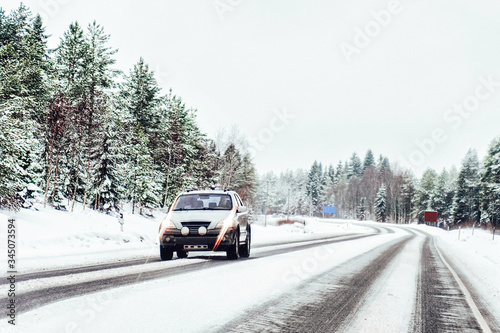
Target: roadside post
(121, 221)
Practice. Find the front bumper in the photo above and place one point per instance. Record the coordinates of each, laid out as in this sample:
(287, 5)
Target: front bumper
(175, 241)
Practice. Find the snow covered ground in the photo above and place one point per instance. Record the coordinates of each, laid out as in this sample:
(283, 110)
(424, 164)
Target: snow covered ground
(51, 239)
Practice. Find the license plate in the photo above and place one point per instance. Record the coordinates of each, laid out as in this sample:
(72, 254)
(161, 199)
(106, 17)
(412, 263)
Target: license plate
(195, 247)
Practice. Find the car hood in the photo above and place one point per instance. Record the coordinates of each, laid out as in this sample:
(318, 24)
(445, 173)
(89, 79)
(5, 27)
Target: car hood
(212, 216)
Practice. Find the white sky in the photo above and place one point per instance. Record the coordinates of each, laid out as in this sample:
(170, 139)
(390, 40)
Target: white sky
(259, 57)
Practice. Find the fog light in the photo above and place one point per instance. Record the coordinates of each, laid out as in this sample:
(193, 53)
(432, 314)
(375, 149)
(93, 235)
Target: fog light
(185, 231)
(202, 231)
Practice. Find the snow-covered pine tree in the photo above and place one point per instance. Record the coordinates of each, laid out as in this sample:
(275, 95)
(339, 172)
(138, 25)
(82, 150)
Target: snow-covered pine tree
(179, 146)
(83, 77)
(140, 97)
(329, 188)
(466, 201)
(442, 199)
(380, 208)
(369, 161)
(315, 187)
(355, 167)
(109, 180)
(384, 168)
(70, 59)
(23, 97)
(138, 118)
(407, 194)
(141, 178)
(206, 164)
(490, 185)
(424, 193)
(98, 80)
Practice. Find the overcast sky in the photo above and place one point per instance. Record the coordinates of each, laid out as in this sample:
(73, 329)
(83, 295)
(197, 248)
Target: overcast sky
(418, 81)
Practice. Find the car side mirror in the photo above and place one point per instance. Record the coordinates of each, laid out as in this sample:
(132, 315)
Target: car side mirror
(242, 209)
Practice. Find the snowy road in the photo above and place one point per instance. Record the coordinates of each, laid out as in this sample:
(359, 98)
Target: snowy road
(388, 279)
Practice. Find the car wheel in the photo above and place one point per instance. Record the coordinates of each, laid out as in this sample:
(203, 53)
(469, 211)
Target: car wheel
(245, 248)
(166, 253)
(233, 252)
(182, 254)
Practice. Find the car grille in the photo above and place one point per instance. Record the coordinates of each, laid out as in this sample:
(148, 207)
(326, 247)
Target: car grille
(194, 226)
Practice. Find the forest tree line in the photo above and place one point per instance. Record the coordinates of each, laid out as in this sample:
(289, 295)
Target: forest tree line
(74, 129)
(372, 189)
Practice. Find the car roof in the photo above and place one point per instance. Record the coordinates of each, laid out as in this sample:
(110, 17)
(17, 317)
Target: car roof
(208, 192)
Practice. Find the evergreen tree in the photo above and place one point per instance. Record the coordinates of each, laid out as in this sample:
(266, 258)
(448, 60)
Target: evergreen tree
(369, 160)
(424, 193)
(84, 78)
(407, 194)
(490, 185)
(466, 202)
(331, 175)
(141, 176)
(206, 165)
(181, 138)
(140, 97)
(23, 102)
(442, 199)
(315, 186)
(381, 211)
(70, 61)
(355, 167)
(139, 113)
(109, 189)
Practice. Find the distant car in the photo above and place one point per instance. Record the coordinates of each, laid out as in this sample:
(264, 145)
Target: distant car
(206, 221)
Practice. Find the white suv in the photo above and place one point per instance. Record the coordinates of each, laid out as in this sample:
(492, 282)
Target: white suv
(206, 221)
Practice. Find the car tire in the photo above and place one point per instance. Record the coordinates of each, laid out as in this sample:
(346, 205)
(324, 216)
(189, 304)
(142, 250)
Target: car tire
(166, 253)
(182, 254)
(245, 248)
(233, 251)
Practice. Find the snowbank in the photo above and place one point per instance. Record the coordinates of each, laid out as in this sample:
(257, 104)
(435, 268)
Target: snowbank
(48, 238)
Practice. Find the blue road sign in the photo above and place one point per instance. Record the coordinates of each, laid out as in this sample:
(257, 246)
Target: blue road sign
(329, 209)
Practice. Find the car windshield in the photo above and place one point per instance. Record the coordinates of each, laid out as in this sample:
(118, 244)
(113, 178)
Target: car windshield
(204, 202)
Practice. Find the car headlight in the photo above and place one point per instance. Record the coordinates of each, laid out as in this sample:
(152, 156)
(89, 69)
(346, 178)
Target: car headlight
(225, 223)
(168, 224)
